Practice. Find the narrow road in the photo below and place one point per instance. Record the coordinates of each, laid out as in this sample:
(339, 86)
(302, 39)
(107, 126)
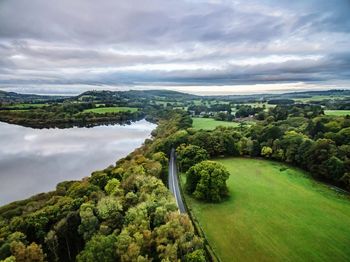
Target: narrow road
(173, 182)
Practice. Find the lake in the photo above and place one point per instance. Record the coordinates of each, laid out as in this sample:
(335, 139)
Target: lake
(35, 160)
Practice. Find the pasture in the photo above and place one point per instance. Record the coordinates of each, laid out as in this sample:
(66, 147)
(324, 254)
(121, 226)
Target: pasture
(337, 112)
(26, 105)
(275, 213)
(210, 123)
(103, 110)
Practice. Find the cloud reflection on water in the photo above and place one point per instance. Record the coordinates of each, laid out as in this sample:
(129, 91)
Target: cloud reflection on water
(35, 160)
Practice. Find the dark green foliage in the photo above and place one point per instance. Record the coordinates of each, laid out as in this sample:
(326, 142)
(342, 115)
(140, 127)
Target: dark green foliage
(196, 256)
(282, 112)
(207, 181)
(280, 101)
(189, 155)
(221, 141)
(246, 110)
(100, 249)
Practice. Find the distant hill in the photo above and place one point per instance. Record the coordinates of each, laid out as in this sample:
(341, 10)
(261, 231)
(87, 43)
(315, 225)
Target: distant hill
(10, 97)
(106, 95)
(139, 94)
(289, 95)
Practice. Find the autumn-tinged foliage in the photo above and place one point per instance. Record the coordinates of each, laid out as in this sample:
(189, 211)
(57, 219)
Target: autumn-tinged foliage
(122, 213)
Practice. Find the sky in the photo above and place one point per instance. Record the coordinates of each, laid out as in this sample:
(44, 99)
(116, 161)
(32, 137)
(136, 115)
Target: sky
(202, 47)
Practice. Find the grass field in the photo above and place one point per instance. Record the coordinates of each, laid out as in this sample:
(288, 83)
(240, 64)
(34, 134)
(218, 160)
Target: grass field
(210, 123)
(102, 110)
(319, 98)
(25, 105)
(337, 112)
(275, 213)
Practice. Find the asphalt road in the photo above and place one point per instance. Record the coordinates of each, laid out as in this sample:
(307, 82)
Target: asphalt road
(173, 182)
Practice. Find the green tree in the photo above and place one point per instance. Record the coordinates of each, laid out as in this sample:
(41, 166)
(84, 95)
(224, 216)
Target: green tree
(196, 256)
(89, 222)
(113, 188)
(109, 208)
(100, 249)
(189, 155)
(266, 151)
(207, 181)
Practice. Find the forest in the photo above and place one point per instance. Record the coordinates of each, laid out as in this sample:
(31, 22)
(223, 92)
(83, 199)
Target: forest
(125, 212)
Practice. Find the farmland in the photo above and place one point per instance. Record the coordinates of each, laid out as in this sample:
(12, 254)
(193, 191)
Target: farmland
(103, 110)
(27, 105)
(275, 213)
(337, 112)
(210, 123)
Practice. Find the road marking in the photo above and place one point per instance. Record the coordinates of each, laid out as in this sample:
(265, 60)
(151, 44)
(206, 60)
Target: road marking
(173, 180)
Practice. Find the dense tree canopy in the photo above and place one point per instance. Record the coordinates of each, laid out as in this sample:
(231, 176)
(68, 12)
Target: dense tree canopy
(189, 155)
(122, 213)
(207, 181)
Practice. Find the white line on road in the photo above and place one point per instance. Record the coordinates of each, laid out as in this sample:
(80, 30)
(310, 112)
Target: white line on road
(173, 180)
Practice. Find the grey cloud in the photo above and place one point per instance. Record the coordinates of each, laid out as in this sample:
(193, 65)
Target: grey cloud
(96, 43)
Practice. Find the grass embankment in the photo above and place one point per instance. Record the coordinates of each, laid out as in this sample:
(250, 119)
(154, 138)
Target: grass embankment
(275, 213)
(103, 110)
(337, 112)
(210, 123)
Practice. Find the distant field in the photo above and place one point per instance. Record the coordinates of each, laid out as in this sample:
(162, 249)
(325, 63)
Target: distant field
(257, 104)
(102, 110)
(17, 110)
(318, 98)
(210, 123)
(25, 105)
(275, 213)
(337, 112)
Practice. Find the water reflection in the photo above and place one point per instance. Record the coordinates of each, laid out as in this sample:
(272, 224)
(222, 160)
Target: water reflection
(35, 160)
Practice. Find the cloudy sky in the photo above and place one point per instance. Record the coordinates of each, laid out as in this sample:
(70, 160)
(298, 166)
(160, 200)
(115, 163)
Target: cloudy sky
(213, 46)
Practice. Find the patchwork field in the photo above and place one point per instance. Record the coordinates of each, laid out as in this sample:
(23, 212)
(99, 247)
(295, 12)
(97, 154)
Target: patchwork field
(275, 213)
(210, 123)
(103, 110)
(337, 112)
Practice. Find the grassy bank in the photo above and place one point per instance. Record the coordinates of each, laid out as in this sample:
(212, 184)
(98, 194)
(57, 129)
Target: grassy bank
(275, 213)
(210, 123)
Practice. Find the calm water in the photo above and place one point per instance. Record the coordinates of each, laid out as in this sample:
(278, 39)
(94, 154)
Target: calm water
(35, 160)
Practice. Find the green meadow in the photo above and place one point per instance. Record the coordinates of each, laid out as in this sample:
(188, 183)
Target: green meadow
(103, 110)
(337, 112)
(275, 213)
(210, 123)
(27, 105)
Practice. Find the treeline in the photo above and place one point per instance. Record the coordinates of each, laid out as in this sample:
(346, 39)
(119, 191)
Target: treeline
(338, 104)
(247, 110)
(299, 135)
(122, 213)
(66, 115)
(282, 112)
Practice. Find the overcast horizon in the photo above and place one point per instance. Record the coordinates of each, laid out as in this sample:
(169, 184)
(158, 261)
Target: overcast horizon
(200, 47)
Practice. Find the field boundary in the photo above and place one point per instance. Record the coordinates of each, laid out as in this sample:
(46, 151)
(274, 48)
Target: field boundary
(213, 257)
